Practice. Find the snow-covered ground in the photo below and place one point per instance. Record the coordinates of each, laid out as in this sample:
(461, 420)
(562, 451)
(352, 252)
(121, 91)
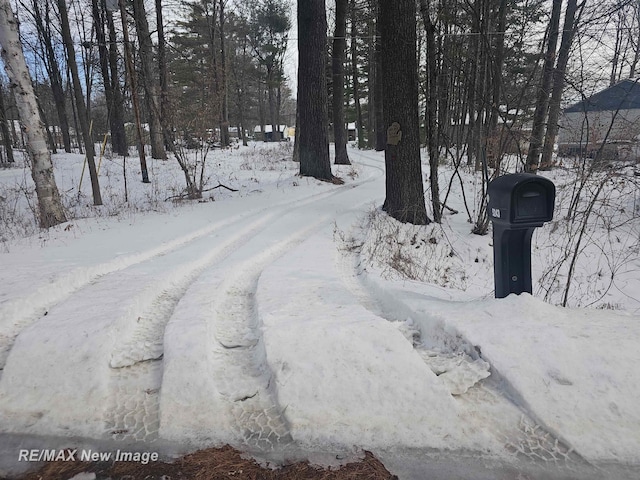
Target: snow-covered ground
(292, 318)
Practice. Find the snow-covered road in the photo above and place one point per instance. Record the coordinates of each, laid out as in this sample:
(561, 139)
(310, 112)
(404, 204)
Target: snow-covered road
(251, 322)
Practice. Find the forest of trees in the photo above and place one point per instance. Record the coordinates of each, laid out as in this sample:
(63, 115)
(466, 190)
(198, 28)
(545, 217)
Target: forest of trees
(469, 80)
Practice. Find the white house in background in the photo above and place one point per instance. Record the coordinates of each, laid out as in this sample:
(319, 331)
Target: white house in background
(611, 116)
(352, 132)
(267, 136)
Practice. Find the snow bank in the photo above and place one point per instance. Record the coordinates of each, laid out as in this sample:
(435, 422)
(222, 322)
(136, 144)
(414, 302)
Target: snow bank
(575, 371)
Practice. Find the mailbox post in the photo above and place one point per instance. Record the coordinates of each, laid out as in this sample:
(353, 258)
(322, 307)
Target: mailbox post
(518, 203)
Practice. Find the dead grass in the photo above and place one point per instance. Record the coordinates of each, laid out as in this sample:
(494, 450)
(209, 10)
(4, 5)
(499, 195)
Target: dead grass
(212, 464)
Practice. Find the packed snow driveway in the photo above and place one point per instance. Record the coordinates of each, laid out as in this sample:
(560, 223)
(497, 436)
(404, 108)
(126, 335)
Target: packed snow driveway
(93, 338)
(253, 324)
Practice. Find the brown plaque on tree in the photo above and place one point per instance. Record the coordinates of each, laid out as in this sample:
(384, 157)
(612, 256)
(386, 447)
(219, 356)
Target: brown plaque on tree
(394, 134)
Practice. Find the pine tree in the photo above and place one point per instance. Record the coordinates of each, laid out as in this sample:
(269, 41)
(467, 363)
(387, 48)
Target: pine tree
(404, 189)
(312, 90)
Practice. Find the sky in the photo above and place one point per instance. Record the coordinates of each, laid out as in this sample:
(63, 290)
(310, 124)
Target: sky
(292, 318)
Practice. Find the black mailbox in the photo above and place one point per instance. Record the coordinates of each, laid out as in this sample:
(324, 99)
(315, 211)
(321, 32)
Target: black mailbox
(521, 200)
(518, 203)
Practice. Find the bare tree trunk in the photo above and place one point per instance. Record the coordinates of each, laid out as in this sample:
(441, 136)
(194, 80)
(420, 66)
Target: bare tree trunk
(98, 22)
(312, 90)
(473, 65)
(568, 32)
(432, 111)
(355, 77)
(239, 79)
(53, 70)
(404, 189)
(145, 51)
(4, 129)
(542, 103)
(636, 46)
(617, 50)
(74, 113)
(240, 106)
(224, 107)
(296, 140)
(275, 132)
(261, 112)
(480, 87)
(498, 63)
(118, 134)
(378, 94)
(50, 207)
(83, 118)
(338, 57)
(47, 128)
(134, 93)
(371, 70)
(163, 78)
(213, 36)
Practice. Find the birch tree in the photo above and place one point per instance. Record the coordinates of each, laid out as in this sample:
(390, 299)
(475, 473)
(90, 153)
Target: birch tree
(49, 205)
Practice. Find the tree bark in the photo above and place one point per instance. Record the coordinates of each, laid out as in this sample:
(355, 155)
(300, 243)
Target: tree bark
(568, 33)
(275, 130)
(338, 57)
(296, 140)
(378, 93)
(118, 134)
(371, 71)
(47, 129)
(98, 21)
(432, 110)
(636, 46)
(145, 51)
(53, 70)
(50, 207)
(498, 63)
(83, 118)
(224, 107)
(4, 129)
(238, 75)
(134, 93)
(74, 113)
(404, 189)
(542, 103)
(163, 77)
(312, 90)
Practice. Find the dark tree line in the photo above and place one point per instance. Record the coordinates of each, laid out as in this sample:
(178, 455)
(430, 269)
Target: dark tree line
(478, 79)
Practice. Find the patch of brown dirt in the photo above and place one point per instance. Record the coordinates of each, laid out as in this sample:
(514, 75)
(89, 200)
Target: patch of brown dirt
(212, 464)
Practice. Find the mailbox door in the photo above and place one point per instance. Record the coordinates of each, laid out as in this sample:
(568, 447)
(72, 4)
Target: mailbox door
(530, 203)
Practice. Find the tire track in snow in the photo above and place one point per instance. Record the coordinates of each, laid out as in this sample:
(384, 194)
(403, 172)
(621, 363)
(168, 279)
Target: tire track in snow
(238, 356)
(489, 401)
(18, 313)
(132, 411)
(141, 339)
